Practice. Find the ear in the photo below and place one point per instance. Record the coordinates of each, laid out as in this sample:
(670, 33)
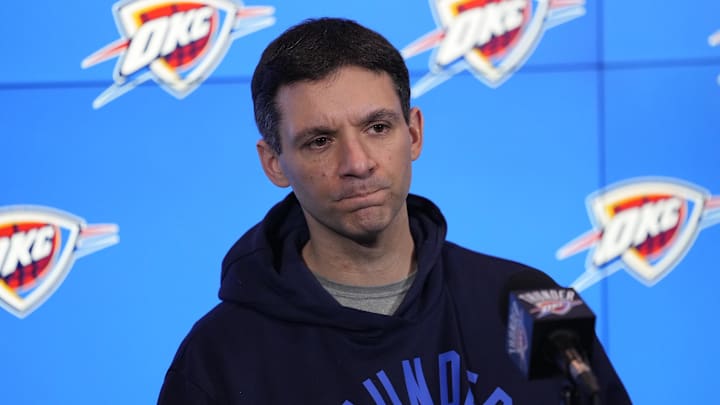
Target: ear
(269, 159)
(415, 125)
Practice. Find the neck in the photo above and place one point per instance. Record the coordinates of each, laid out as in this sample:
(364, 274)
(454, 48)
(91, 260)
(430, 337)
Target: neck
(384, 259)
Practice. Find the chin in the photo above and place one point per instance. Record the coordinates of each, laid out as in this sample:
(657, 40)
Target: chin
(369, 226)
(367, 238)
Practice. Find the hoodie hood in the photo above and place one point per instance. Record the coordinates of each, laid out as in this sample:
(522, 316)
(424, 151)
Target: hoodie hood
(264, 271)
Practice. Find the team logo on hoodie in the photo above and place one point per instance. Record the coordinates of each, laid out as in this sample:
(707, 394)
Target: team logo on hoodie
(38, 246)
(176, 43)
(491, 38)
(714, 40)
(410, 385)
(642, 225)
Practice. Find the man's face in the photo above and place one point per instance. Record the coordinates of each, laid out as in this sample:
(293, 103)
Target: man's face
(346, 152)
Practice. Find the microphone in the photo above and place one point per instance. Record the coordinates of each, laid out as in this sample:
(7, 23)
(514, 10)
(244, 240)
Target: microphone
(550, 330)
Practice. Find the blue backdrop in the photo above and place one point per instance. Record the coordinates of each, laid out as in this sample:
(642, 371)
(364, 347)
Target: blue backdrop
(623, 92)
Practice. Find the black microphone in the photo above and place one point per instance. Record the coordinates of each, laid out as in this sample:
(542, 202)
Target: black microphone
(550, 330)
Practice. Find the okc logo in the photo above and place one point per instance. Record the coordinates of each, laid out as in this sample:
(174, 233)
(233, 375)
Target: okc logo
(491, 38)
(714, 40)
(546, 308)
(517, 340)
(644, 225)
(177, 44)
(38, 246)
(555, 302)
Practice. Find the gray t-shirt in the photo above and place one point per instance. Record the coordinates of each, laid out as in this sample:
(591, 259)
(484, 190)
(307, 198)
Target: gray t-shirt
(384, 299)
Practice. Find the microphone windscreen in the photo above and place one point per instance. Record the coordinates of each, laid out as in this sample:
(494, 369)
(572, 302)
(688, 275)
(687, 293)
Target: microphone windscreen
(523, 280)
(539, 319)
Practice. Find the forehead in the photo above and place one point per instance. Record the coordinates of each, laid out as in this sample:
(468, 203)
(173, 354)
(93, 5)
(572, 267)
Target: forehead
(347, 93)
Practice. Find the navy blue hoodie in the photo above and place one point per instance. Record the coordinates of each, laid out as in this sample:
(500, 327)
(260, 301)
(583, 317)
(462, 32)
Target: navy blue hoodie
(278, 337)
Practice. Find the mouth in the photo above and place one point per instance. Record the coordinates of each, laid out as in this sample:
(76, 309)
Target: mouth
(357, 194)
(360, 189)
(358, 199)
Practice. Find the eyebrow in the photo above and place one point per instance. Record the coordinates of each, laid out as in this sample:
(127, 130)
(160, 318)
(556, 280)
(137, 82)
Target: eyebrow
(381, 114)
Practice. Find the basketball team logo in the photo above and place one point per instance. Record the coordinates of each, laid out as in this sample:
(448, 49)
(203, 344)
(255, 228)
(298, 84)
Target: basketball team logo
(551, 302)
(517, 339)
(642, 225)
(714, 40)
(490, 38)
(38, 246)
(178, 44)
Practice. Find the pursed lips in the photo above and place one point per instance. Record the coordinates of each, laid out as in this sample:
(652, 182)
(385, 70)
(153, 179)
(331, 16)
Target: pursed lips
(359, 194)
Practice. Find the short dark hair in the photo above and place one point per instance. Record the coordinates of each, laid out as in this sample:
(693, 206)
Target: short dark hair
(314, 49)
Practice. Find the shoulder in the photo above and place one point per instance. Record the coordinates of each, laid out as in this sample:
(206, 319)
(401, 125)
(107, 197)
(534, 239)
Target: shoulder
(477, 280)
(224, 324)
(203, 362)
(467, 264)
(225, 330)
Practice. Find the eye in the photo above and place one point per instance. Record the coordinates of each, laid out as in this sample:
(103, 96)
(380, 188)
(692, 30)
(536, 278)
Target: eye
(319, 142)
(379, 128)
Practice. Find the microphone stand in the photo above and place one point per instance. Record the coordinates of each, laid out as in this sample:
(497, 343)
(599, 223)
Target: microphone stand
(583, 388)
(570, 396)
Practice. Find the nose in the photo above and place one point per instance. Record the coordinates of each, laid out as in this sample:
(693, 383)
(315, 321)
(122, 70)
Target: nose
(355, 158)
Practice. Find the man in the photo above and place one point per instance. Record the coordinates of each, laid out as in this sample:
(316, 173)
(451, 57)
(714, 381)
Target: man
(347, 292)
